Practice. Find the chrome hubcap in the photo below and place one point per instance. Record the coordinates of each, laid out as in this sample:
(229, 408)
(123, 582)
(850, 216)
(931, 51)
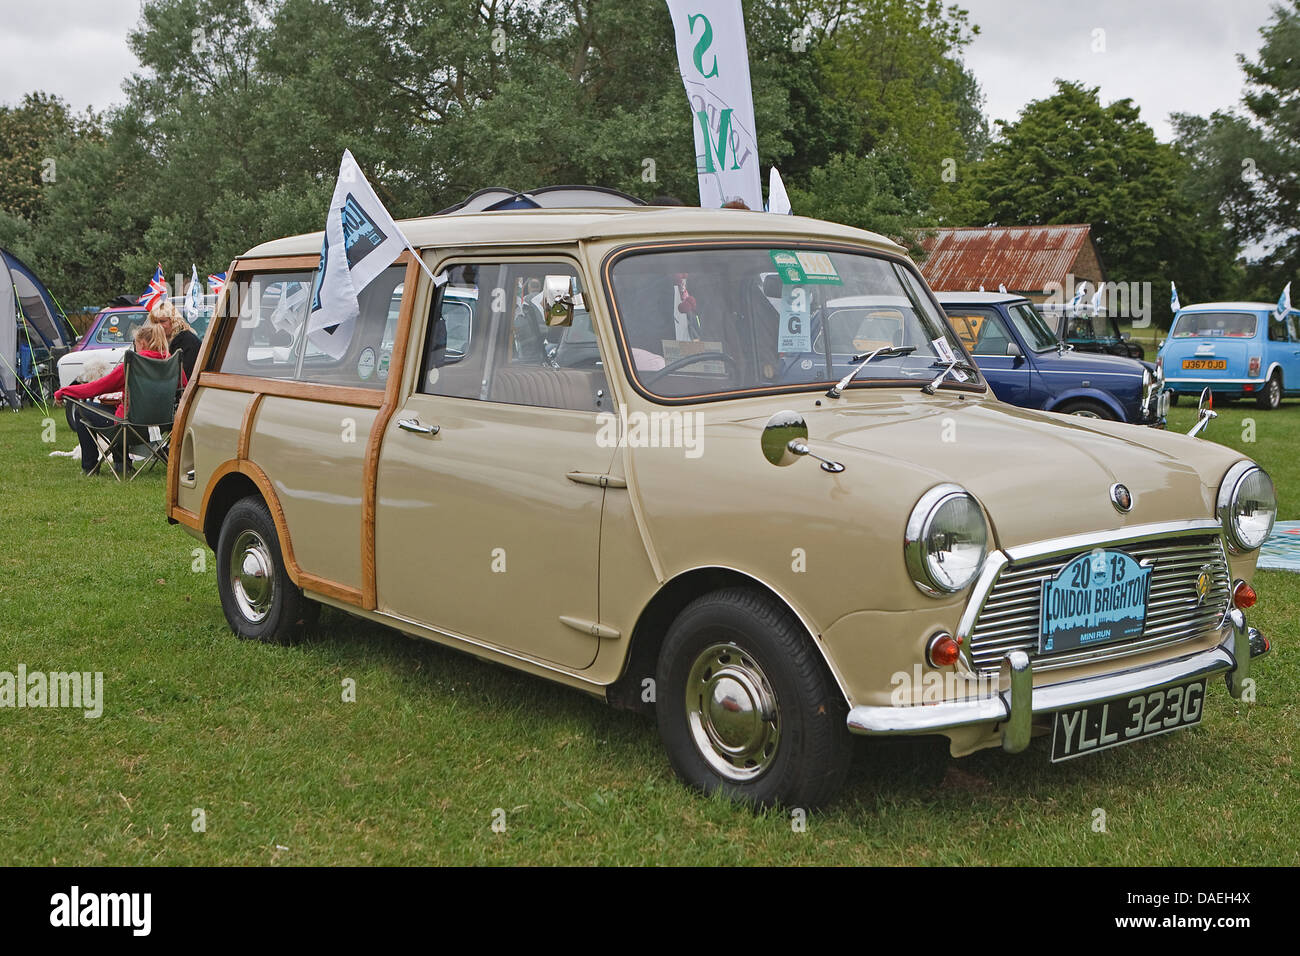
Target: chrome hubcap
(251, 577)
(1274, 393)
(732, 712)
(1085, 413)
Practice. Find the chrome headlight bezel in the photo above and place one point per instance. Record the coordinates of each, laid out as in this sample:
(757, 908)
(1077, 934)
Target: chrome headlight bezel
(1226, 506)
(920, 525)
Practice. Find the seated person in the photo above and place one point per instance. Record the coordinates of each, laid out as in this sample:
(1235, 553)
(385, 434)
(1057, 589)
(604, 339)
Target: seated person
(151, 342)
(180, 334)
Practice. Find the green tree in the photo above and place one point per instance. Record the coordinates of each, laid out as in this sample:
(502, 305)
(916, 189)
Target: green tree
(1070, 159)
(1246, 164)
(32, 135)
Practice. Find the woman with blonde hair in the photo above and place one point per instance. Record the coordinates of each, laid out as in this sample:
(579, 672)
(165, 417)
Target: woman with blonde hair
(150, 340)
(181, 336)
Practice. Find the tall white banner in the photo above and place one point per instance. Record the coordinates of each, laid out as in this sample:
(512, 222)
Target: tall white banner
(713, 59)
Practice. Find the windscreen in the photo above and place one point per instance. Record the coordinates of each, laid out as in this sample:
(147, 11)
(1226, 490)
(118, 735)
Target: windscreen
(701, 323)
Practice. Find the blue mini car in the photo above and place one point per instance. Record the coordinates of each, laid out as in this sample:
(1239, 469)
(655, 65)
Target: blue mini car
(1236, 349)
(1028, 365)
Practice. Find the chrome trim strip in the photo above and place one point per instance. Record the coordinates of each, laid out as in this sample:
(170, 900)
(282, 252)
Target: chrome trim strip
(993, 566)
(1114, 537)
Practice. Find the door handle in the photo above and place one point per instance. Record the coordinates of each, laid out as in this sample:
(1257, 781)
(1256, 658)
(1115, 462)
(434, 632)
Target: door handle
(415, 425)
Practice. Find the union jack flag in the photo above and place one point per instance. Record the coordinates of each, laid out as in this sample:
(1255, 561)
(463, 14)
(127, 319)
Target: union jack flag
(156, 292)
(216, 282)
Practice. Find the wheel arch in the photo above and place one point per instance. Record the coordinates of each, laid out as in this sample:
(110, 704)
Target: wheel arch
(1096, 395)
(662, 609)
(233, 481)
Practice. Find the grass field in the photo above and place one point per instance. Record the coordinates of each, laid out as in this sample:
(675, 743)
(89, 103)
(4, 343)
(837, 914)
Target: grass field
(285, 772)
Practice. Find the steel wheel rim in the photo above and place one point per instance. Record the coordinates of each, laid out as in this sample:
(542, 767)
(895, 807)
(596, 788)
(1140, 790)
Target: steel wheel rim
(1085, 413)
(252, 581)
(732, 713)
(1274, 393)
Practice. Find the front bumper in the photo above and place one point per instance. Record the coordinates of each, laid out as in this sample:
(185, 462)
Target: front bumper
(1016, 707)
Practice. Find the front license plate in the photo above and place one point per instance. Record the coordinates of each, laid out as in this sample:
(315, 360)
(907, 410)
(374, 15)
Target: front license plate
(1202, 365)
(1086, 730)
(1097, 598)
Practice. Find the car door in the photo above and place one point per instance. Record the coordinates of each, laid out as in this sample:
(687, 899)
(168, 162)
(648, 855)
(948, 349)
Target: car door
(1010, 376)
(1290, 355)
(490, 480)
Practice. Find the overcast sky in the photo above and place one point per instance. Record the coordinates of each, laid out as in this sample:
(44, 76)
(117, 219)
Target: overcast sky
(1167, 55)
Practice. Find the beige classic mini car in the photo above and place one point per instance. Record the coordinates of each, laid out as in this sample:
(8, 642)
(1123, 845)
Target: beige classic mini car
(731, 468)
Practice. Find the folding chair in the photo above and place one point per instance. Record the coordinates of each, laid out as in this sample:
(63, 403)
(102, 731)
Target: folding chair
(152, 386)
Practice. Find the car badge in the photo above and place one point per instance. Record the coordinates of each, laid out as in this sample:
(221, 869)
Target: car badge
(1202, 585)
(1121, 498)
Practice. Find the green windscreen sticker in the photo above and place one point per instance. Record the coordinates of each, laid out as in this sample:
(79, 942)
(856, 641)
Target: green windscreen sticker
(798, 268)
(787, 267)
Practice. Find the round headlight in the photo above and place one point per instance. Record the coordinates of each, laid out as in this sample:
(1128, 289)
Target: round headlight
(945, 541)
(1247, 506)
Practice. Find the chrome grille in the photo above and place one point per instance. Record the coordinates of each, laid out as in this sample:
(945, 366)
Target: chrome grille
(1010, 619)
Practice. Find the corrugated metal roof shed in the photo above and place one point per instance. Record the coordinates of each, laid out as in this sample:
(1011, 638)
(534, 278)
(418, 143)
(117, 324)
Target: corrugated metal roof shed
(1023, 258)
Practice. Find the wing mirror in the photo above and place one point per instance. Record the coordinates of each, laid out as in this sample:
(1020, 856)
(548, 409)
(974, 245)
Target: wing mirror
(1204, 412)
(1014, 350)
(560, 296)
(785, 441)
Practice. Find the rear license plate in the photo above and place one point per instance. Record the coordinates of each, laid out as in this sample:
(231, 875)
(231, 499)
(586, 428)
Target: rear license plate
(1097, 598)
(1205, 365)
(1110, 723)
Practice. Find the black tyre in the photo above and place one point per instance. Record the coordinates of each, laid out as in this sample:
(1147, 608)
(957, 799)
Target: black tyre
(1271, 397)
(260, 601)
(746, 706)
(1086, 409)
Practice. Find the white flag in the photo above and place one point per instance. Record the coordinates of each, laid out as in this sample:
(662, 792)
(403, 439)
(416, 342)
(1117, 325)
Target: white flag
(1284, 302)
(361, 241)
(1173, 298)
(778, 200)
(1096, 300)
(1002, 287)
(193, 296)
(713, 60)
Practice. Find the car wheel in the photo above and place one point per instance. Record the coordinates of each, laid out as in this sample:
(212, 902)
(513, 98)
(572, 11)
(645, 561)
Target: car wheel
(259, 599)
(1087, 410)
(1271, 397)
(746, 706)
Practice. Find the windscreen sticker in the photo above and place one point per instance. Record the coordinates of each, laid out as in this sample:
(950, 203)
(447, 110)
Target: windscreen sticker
(946, 354)
(796, 332)
(366, 364)
(817, 267)
(787, 267)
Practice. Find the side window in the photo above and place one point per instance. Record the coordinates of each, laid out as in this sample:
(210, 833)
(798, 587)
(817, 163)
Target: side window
(967, 326)
(1291, 328)
(993, 338)
(487, 340)
(367, 356)
(270, 309)
(1276, 329)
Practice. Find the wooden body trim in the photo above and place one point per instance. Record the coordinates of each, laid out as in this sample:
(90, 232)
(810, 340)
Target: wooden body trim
(384, 401)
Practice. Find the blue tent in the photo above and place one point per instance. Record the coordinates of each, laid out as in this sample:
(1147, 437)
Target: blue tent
(33, 329)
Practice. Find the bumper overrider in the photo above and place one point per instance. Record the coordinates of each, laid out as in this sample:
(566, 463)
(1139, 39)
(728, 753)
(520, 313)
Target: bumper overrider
(1016, 707)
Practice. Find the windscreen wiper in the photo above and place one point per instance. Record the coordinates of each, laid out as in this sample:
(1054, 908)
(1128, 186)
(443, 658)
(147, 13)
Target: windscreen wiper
(957, 364)
(888, 351)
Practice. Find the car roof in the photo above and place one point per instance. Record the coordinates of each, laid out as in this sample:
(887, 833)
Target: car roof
(978, 298)
(557, 226)
(1228, 307)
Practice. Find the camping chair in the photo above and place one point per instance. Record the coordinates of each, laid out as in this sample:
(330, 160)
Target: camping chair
(150, 396)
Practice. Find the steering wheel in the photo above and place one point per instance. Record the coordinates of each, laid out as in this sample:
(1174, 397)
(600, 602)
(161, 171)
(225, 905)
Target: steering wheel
(686, 360)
